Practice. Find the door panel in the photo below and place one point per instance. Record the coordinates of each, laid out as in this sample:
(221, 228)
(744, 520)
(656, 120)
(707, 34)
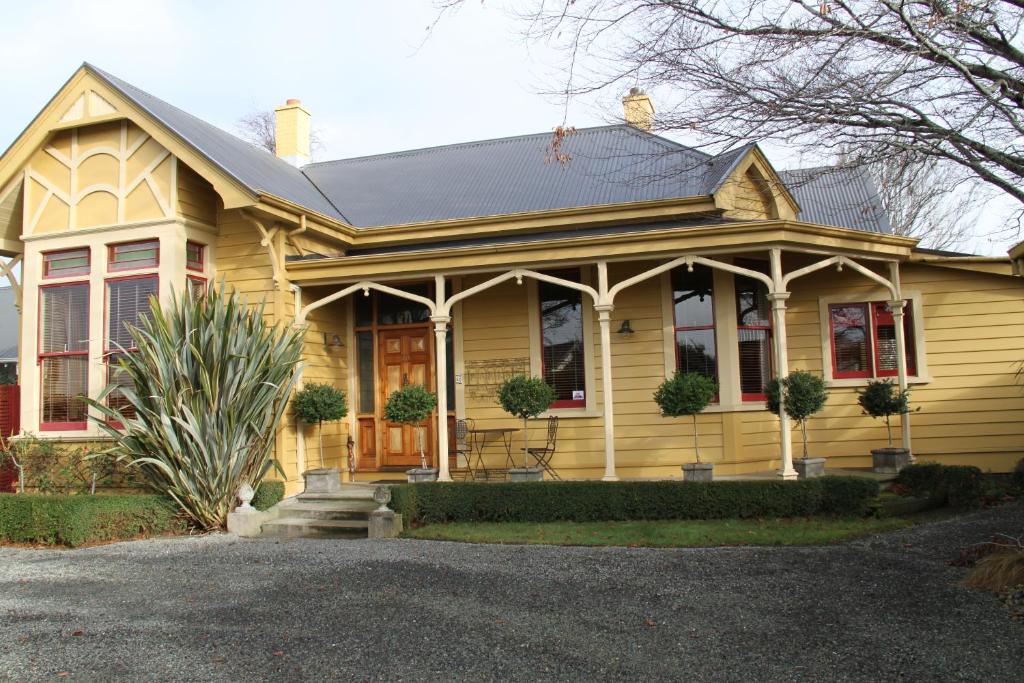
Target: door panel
(405, 359)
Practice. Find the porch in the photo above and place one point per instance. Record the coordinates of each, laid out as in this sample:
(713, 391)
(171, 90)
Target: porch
(460, 331)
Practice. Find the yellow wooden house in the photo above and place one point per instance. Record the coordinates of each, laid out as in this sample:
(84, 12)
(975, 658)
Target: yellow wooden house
(602, 261)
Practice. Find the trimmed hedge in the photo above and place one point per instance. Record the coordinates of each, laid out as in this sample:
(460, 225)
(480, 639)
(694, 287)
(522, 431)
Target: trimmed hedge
(955, 485)
(268, 494)
(437, 502)
(1018, 476)
(81, 519)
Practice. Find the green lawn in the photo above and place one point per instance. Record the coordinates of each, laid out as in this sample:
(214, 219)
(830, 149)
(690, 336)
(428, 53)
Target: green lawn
(664, 534)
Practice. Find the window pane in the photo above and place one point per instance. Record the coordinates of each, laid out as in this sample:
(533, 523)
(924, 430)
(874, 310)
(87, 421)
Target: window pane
(65, 319)
(194, 255)
(561, 323)
(692, 297)
(364, 348)
(751, 302)
(394, 310)
(850, 338)
(116, 375)
(127, 303)
(64, 385)
(68, 262)
(196, 287)
(695, 352)
(885, 329)
(135, 255)
(755, 361)
(364, 310)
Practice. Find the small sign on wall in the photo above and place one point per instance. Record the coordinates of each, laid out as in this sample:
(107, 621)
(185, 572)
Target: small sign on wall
(578, 395)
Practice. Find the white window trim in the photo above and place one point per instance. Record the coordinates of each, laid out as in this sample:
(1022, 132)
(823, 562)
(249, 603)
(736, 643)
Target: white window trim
(917, 318)
(590, 409)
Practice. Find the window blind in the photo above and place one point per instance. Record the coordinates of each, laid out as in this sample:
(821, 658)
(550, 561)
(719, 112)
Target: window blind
(562, 357)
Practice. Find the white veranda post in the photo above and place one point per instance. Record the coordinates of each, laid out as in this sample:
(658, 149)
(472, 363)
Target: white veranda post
(897, 307)
(778, 299)
(604, 311)
(441, 374)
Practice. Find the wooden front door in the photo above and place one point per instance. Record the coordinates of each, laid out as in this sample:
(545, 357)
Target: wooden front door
(405, 359)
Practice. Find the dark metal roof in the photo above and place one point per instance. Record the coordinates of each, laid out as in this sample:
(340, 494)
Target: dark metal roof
(251, 166)
(607, 165)
(842, 196)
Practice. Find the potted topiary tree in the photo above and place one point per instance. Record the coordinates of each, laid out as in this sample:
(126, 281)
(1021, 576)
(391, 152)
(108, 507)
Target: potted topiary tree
(319, 403)
(803, 394)
(688, 394)
(525, 397)
(411, 405)
(882, 398)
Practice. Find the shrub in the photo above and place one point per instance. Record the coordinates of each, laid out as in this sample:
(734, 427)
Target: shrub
(802, 394)
(439, 502)
(882, 398)
(411, 405)
(319, 403)
(207, 388)
(1018, 477)
(51, 468)
(76, 520)
(525, 397)
(686, 394)
(269, 493)
(957, 485)
(922, 479)
(998, 572)
(961, 486)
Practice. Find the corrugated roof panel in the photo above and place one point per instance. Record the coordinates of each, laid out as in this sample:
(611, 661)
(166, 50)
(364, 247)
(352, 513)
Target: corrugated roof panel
(607, 165)
(845, 197)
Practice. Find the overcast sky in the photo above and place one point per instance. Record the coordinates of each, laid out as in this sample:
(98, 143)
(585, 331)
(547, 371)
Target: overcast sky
(368, 72)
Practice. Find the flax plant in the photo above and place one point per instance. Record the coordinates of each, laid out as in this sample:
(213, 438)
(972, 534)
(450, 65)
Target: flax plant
(206, 388)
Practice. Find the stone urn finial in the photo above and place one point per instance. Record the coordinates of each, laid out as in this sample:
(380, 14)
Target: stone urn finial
(246, 494)
(382, 496)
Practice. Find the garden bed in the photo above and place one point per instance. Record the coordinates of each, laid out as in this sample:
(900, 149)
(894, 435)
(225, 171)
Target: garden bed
(85, 519)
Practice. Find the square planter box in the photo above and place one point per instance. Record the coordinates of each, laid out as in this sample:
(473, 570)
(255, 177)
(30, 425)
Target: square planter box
(809, 468)
(699, 471)
(526, 474)
(889, 460)
(419, 474)
(324, 480)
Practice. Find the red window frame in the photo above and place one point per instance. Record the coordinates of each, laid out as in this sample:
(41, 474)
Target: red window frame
(881, 315)
(195, 265)
(565, 275)
(48, 257)
(112, 249)
(868, 329)
(676, 328)
(194, 280)
(41, 355)
(875, 317)
(762, 396)
(109, 352)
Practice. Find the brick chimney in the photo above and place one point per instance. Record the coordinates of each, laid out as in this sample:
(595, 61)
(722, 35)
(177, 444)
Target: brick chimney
(291, 133)
(638, 109)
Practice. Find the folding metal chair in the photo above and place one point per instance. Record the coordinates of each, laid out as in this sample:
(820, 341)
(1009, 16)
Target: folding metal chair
(543, 454)
(463, 449)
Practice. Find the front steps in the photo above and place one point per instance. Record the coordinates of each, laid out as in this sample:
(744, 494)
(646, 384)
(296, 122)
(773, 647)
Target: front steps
(344, 513)
(325, 509)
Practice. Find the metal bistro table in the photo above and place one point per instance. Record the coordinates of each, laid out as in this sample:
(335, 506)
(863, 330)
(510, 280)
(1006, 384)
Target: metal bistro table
(480, 439)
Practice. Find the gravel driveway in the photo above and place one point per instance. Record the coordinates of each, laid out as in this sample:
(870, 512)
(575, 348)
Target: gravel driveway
(220, 608)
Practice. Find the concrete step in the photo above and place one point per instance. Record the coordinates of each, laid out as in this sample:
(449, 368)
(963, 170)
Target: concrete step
(338, 509)
(293, 527)
(352, 494)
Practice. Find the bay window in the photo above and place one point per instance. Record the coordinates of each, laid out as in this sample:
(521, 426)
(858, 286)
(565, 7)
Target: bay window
(64, 355)
(863, 340)
(563, 363)
(694, 321)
